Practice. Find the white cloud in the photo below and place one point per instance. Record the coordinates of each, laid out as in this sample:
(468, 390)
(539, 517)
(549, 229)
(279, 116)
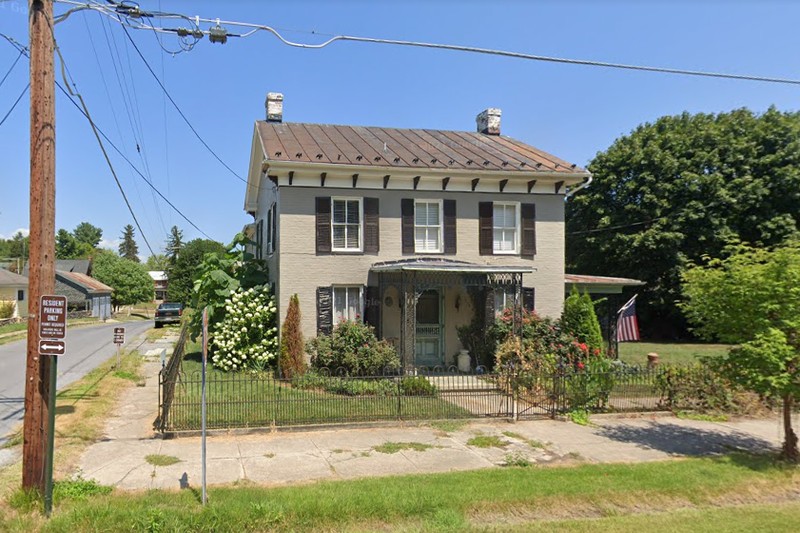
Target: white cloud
(112, 244)
(25, 232)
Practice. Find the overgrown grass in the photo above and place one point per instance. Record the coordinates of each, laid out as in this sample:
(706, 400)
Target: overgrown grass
(449, 426)
(82, 409)
(703, 417)
(681, 493)
(671, 353)
(533, 443)
(253, 400)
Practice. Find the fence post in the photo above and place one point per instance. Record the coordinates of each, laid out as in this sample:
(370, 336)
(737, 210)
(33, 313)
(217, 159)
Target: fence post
(514, 397)
(398, 379)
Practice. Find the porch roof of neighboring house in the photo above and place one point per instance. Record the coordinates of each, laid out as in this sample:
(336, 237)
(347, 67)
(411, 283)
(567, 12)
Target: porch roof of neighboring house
(405, 148)
(10, 279)
(158, 275)
(447, 265)
(87, 283)
(599, 284)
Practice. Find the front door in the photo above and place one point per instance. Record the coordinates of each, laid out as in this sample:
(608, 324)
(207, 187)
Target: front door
(429, 329)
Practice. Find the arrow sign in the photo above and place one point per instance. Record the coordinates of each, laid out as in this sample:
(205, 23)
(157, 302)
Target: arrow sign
(51, 347)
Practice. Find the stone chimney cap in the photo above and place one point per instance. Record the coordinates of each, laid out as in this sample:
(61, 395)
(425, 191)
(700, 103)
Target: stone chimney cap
(274, 105)
(488, 121)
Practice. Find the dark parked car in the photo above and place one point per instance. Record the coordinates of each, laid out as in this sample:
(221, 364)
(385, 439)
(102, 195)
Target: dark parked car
(168, 313)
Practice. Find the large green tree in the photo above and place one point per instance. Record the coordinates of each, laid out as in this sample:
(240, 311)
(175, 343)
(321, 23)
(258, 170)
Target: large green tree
(675, 190)
(88, 234)
(130, 280)
(128, 247)
(752, 297)
(174, 243)
(182, 273)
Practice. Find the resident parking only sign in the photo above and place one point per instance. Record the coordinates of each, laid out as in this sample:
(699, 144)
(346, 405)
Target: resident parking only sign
(53, 317)
(119, 335)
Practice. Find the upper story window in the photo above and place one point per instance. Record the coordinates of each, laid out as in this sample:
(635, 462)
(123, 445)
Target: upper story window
(428, 226)
(346, 224)
(505, 226)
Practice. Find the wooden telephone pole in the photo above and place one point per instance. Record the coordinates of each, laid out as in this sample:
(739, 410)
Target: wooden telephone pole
(41, 274)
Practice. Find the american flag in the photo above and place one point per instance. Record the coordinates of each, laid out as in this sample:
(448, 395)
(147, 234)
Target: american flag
(627, 325)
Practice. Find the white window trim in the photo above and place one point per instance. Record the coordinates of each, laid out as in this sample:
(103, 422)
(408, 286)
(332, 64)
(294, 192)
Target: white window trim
(517, 245)
(360, 225)
(359, 312)
(441, 225)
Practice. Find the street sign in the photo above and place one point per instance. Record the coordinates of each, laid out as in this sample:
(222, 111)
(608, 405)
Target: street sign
(52, 317)
(119, 335)
(51, 347)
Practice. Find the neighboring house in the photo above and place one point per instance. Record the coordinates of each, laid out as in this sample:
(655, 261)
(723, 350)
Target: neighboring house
(14, 288)
(83, 292)
(160, 284)
(413, 231)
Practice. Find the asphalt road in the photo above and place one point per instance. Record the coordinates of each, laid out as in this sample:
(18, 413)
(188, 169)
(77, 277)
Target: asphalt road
(87, 347)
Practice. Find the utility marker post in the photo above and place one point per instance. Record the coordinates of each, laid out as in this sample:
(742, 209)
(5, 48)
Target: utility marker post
(203, 413)
(41, 274)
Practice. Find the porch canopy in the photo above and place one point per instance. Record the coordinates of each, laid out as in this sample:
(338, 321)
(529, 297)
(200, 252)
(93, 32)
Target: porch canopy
(412, 278)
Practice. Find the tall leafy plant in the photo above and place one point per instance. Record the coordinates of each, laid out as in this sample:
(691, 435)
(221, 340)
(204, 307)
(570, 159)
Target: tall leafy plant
(580, 320)
(219, 275)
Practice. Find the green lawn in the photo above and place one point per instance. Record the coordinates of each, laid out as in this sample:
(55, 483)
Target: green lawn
(673, 353)
(242, 400)
(734, 493)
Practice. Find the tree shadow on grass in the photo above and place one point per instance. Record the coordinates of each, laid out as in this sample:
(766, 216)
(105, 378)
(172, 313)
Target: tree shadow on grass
(675, 439)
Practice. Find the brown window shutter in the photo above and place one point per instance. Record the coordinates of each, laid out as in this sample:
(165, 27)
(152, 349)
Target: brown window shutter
(274, 239)
(372, 236)
(529, 298)
(528, 216)
(485, 228)
(372, 308)
(259, 238)
(407, 223)
(323, 213)
(324, 310)
(449, 215)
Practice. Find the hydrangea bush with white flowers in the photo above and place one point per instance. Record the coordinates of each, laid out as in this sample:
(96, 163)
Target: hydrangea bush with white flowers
(247, 338)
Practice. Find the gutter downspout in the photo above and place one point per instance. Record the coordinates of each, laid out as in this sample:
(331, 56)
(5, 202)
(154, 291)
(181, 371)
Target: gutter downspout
(579, 187)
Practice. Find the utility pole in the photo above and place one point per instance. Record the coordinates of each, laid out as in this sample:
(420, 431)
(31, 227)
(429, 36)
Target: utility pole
(41, 274)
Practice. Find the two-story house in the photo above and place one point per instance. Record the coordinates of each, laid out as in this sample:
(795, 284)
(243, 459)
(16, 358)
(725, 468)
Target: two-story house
(413, 231)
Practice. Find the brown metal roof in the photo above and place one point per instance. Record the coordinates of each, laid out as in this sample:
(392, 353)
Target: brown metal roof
(88, 282)
(404, 148)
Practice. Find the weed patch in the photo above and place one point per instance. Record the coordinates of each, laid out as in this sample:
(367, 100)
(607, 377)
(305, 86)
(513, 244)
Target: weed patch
(702, 417)
(533, 443)
(449, 426)
(161, 460)
(487, 441)
(394, 447)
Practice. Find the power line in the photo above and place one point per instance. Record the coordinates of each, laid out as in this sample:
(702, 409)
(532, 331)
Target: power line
(14, 64)
(28, 86)
(134, 16)
(177, 108)
(110, 142)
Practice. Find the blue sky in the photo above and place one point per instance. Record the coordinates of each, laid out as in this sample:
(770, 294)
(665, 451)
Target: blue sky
(571, 111)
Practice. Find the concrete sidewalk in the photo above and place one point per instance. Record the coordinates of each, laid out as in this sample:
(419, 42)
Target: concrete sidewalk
(288, 457)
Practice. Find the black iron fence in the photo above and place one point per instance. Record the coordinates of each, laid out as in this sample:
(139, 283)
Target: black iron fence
(260, 399)
(168, 379)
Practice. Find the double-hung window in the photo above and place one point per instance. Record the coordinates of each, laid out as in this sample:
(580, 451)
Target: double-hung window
(428, 226)
(271, 229)
(347, 303)
(503, 299)
(346, 224)
(505, 228)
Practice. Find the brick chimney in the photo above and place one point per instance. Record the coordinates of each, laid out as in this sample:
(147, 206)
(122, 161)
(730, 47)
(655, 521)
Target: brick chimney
(488, 121)
(274, 105)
